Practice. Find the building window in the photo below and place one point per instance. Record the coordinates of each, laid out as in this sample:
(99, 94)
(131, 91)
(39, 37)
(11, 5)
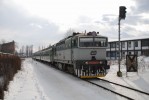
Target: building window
(123, 54)
(117, 44)
(123, 44)
(129, 44)
(108, 53)
(136, 43)
(145, 42)
(117, 53)
(113, 45)
(136, 52)
(129, 53)
(113, 53)
(108, 45)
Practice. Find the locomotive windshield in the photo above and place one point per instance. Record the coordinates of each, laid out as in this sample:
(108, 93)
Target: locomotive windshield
(93, 42)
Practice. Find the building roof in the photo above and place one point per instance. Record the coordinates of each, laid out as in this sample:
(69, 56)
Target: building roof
(129, 39)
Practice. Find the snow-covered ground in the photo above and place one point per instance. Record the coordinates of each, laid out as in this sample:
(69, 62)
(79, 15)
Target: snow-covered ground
(38, 81)
(25, 85)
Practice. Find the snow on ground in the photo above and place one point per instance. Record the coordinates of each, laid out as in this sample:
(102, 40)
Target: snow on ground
(135, 80)
(25, 86)
(138, 80)
(59, 85)
(37, 81)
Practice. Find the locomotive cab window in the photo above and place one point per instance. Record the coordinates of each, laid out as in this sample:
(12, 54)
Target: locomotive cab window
(86, 42)
(100, 42)
(93, 42)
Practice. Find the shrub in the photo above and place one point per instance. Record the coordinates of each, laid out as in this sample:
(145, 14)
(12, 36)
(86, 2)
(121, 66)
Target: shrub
(9, 65)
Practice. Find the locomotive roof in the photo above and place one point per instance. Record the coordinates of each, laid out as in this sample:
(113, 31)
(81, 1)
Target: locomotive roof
(90, 34)
(83, 34)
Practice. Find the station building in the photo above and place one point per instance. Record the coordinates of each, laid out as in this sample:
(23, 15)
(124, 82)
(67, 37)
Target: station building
(136, 46)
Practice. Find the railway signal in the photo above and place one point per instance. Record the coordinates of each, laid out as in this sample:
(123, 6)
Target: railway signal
(122, 12)
(122, 15)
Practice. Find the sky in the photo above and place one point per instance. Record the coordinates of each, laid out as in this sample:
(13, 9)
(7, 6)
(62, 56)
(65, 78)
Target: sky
(44, 22)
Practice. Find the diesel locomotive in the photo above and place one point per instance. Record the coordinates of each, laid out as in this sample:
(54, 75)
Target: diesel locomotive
(82, 54)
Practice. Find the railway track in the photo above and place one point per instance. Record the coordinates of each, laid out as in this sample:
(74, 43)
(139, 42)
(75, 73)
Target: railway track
(117, 93)
(101, 86)
(125, 86)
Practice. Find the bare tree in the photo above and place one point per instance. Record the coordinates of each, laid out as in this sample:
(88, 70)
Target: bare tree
(39, 48)
(31, 50)
(49, 45)
(16, 45)
(2, 41)
(23, 50)
(69, 32)
(27, 50)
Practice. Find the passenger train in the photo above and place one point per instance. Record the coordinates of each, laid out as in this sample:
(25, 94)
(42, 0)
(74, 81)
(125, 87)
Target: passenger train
(82, 54)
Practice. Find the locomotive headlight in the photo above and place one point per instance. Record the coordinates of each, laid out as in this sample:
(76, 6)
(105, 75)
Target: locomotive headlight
(86, 63)
(101, 62)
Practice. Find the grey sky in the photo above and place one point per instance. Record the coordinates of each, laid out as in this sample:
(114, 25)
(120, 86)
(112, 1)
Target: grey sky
(45, 22)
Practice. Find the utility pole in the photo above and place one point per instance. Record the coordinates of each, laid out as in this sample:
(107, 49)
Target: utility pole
(122, 15)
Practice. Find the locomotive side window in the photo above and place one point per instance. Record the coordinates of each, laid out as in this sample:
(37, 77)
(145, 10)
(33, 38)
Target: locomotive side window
(74, 43)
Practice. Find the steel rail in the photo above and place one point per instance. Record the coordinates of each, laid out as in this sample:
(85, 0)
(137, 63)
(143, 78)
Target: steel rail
(108, 90)
(124, 86)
